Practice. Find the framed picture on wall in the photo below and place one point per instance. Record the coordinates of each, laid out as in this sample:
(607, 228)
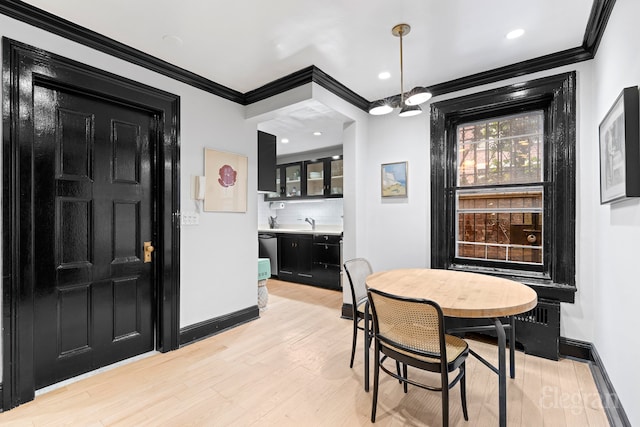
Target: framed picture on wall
(620, 149)
(226, 181)
(394, 179)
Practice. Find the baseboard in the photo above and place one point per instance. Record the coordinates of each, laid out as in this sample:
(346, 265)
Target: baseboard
(210, 327)
(586, 351)
(347, 311)
(576, 349)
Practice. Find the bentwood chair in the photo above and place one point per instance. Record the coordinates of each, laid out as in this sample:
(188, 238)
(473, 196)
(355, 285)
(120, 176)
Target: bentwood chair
(411, 332)
(357, 271)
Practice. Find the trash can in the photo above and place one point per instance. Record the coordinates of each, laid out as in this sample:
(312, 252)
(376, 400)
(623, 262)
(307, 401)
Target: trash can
(264, 272)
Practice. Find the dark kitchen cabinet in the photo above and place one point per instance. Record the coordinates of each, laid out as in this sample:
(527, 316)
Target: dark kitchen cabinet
(326, 260)
(277, 193)
(310, 259)
(294, 258)
(289, 182)
(267, 162)
(321, 178)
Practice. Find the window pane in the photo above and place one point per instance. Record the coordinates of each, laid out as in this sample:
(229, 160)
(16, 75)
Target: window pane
(505, 150)
(501, 225)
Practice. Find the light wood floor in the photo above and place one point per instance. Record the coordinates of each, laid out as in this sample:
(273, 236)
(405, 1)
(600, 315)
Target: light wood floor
(291, 368)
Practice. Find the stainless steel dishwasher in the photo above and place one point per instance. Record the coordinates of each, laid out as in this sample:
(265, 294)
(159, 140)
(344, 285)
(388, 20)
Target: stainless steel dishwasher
(268, 248)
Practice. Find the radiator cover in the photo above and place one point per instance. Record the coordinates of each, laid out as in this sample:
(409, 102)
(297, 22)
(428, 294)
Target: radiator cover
(537, 330)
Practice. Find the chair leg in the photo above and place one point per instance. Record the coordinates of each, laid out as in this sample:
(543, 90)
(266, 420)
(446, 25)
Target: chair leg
(367, 344)
(355, 338)
(405, 375)
(463, 391)
(376, 375)
(445, 398)
(399, 371)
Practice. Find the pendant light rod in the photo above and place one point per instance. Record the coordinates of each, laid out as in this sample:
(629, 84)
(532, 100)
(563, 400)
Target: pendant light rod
(401, 74)
(401, 30)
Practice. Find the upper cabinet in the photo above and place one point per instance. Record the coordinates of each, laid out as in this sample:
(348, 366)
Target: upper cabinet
(324, 177)
(267, 162)
(289, 182)
(321, 178)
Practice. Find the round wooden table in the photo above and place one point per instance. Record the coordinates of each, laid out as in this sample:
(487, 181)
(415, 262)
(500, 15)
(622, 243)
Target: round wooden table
(458, 293)
(468, 295)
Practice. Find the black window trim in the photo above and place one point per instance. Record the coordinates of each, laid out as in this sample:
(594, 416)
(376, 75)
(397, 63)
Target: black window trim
(556, 95)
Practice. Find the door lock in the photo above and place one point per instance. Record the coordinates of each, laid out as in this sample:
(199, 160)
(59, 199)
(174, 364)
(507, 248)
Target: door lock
(147, 251)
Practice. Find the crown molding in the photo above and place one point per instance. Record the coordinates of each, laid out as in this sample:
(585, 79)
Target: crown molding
(283, 84)
(600, 12)
(304, 76)
(54, 24)
(553, 60)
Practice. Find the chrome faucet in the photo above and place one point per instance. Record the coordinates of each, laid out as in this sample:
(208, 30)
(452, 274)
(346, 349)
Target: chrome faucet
(312, 222)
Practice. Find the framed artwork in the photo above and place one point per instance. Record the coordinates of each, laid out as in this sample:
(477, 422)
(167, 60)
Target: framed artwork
(226, 181)
(394, 179)
(620, 149)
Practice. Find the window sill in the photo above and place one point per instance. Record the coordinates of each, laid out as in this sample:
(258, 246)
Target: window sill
(542, 284)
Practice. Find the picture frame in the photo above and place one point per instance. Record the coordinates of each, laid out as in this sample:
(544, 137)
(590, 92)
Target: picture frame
(394, 179)
(226, 181)
(620, 149)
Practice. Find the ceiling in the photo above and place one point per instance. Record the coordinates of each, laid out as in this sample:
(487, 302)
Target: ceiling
(299, 122)
(246, 44)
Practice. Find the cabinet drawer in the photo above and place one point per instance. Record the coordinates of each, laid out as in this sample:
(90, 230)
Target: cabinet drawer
(327, 238)
(326, 254)
(327, 275)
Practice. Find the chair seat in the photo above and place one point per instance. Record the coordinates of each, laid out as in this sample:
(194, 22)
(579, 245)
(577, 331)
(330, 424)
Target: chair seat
(455, 347)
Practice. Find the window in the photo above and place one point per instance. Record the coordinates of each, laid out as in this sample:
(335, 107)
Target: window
(503, 184)
(499, 192)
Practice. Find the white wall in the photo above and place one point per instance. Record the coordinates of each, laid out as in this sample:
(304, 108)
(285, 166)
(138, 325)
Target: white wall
(217, 257)
(398, 229)
(617, 226)
(355, 145)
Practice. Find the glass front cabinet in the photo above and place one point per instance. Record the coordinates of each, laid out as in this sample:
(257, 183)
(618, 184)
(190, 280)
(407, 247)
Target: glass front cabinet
(324, 177)
(320, 178)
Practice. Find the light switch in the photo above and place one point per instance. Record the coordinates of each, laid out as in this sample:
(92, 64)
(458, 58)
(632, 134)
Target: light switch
(190, 218)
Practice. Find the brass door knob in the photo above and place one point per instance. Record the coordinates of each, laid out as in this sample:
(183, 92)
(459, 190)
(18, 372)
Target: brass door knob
(148, 249)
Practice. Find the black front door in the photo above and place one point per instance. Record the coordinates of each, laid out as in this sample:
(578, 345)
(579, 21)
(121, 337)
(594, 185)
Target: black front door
(92, 174)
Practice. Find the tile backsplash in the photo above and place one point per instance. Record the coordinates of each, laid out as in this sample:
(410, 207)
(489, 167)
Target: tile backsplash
(324, 211)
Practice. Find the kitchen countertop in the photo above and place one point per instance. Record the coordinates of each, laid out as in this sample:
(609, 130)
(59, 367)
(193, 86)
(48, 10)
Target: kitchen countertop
(285, 229)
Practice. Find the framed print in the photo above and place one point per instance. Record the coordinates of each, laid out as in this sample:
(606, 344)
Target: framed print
(394, 179)
(620, 149)
(226, 181)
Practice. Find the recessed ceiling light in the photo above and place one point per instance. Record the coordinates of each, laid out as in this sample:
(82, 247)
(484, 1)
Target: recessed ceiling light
(515, 33)
(172, 40)
(317, 133)
(384, 75)
(284, 140)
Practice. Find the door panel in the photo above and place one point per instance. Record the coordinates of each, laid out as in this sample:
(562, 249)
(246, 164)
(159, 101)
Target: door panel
(92, 174)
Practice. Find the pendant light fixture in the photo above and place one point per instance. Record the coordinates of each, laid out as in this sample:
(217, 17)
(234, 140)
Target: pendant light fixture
(418, 95)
